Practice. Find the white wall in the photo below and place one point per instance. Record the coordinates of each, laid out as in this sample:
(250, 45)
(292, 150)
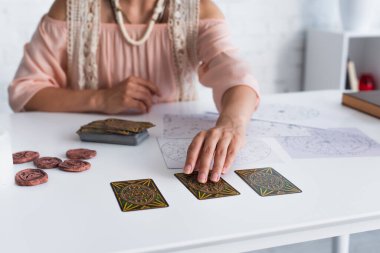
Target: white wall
(270, 33)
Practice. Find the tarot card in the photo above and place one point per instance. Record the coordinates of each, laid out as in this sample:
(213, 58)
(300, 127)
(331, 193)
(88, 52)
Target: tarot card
(267, 182)
(136, 195)
(209, 190)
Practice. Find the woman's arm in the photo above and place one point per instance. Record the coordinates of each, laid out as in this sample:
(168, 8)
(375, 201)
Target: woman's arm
(133, 95)
(222, 142)
(52, 99)
(235, 94)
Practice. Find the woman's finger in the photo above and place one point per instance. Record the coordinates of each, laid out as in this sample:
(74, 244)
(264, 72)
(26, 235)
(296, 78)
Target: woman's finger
(193, 152)
(232, 151)
(142, 95)
(136, 106)
(197, 164)
(220, 157)
(153, 89)
(207, 154)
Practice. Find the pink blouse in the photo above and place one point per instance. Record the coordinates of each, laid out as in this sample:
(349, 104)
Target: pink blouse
(45, 60)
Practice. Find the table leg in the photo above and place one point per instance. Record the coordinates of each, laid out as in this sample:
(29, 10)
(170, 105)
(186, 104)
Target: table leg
(341, 244)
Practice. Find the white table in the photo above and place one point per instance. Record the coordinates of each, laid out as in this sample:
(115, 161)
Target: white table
(79, 212)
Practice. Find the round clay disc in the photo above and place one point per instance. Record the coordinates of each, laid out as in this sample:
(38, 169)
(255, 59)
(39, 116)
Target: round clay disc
(31, 177)
(25, 156)
(47, 162)
(80, 153)
(74, 166)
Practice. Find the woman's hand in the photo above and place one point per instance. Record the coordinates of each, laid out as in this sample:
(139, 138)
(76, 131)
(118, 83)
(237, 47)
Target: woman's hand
(219, 145)
(133, 95)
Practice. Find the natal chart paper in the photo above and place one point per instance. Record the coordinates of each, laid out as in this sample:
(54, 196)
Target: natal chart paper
(254, 153)
(187, 126)
(343, 142)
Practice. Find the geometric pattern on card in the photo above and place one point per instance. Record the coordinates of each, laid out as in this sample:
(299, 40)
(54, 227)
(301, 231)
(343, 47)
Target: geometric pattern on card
(267, 182)
(136, 195)
(209, 190)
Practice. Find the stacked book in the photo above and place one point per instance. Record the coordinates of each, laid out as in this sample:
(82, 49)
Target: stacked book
(365, 101)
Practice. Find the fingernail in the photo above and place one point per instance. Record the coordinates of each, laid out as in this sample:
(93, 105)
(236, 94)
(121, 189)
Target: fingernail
(187, 169)
(224, 170)
(202, 178)
(215, 177)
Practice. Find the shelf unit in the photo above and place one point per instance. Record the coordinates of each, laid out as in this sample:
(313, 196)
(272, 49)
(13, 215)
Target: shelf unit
(327, 53)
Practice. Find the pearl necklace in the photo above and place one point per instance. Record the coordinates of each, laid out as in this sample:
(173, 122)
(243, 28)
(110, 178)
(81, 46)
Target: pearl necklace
(158, 10)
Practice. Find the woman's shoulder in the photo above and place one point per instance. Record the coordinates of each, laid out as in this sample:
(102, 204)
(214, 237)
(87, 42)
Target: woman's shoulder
(209, 10)
(58, 10)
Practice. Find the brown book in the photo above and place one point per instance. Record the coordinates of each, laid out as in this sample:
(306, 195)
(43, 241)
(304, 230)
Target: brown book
(365, 101)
